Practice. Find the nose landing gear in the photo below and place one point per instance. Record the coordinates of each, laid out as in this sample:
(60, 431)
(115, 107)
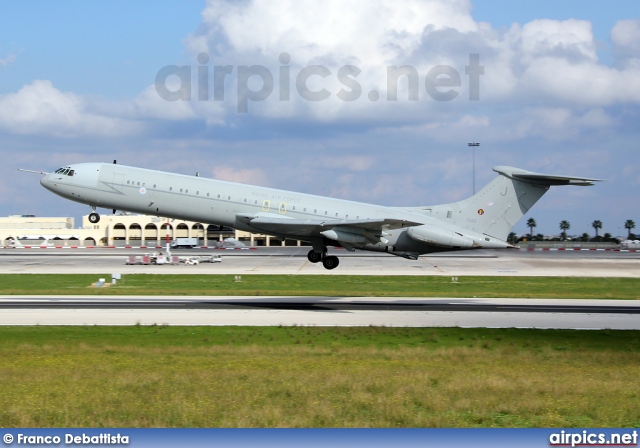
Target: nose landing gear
(94, 218)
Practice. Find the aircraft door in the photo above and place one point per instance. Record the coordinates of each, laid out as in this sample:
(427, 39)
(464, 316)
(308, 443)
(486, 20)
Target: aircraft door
(117, 181)
(118, 185)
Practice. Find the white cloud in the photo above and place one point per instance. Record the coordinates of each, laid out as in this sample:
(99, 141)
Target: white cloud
(10, 58)
(446, 129)
(567, 39)
(369, 36)
(253, 176)
(548, 63)
(350, 163)
(586, 83)
(359, 31)
(544, 65)
(40, 108)
(625, 35)
(150, 104)
(552, 123)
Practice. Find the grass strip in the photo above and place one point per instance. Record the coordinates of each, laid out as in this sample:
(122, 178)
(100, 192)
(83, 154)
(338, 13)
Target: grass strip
(314, 285)
(158, 376)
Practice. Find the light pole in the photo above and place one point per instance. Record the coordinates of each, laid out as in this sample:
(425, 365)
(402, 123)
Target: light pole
(473, 146)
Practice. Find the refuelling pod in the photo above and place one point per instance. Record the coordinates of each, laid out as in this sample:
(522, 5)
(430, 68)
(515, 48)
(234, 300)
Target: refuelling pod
(439, 236)
(349, 236)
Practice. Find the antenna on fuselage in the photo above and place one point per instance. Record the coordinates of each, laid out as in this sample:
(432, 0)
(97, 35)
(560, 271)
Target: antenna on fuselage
(114, 210)
(32, 171)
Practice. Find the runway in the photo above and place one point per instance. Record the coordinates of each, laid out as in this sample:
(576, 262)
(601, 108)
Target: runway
(325, 311)
(320, 311)
(293, 261)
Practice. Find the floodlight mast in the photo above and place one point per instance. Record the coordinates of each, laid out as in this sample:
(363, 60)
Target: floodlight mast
(473, 146)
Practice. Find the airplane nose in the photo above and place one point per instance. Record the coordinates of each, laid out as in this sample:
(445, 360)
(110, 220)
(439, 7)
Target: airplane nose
(46, 182)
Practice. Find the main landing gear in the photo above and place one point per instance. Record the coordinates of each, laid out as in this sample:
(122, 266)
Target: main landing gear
(328, 261)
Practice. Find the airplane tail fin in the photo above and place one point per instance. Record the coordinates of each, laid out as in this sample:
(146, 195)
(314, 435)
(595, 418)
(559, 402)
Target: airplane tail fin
(496, 208)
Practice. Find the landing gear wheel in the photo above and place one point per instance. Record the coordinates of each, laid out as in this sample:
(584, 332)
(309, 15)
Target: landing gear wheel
(94, 218)
(330, 262)
(314, 256)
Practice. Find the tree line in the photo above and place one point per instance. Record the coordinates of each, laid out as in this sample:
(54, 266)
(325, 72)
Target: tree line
(566, 225)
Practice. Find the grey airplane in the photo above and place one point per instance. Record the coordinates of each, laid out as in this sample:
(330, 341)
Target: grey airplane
(482, 221)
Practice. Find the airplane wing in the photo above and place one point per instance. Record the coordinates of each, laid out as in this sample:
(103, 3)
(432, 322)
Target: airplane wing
(544, 179)
(315, 227)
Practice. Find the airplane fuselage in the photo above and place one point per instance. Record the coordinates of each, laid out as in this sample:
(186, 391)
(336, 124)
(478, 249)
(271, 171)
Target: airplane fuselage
(219, 202)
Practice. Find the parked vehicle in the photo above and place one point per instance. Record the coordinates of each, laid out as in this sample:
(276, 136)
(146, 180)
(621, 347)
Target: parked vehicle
(184, 243)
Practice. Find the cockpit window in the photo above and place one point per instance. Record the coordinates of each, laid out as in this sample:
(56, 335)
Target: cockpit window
(66, 171)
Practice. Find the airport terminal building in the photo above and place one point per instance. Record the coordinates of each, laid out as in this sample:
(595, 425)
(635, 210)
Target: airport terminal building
(121, 230)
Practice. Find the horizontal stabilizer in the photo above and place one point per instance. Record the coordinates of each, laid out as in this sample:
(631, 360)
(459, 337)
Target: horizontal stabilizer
(543, 179)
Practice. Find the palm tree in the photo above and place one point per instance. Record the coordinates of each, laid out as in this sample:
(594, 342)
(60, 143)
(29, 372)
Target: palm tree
(596, 225)
(531, 223)
(564, 226)
(629, 224)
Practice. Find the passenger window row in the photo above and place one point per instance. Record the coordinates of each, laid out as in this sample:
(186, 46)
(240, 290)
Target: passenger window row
(134, 183)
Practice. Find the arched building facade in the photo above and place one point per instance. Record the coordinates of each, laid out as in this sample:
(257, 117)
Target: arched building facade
(121, 230)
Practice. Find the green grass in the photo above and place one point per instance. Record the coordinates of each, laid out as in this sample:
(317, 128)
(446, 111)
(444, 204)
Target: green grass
(157, 376)
(352, 285)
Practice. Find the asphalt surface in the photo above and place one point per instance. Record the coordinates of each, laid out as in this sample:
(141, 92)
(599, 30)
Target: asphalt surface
(307, 303)
(292, 261)
(327, 311)
(320, 311)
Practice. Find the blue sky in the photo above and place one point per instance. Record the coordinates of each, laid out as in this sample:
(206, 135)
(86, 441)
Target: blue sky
(560, 93)
(110, 49)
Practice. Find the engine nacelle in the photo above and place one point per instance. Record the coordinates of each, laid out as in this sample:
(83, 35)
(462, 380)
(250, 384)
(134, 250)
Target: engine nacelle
(440, 236)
